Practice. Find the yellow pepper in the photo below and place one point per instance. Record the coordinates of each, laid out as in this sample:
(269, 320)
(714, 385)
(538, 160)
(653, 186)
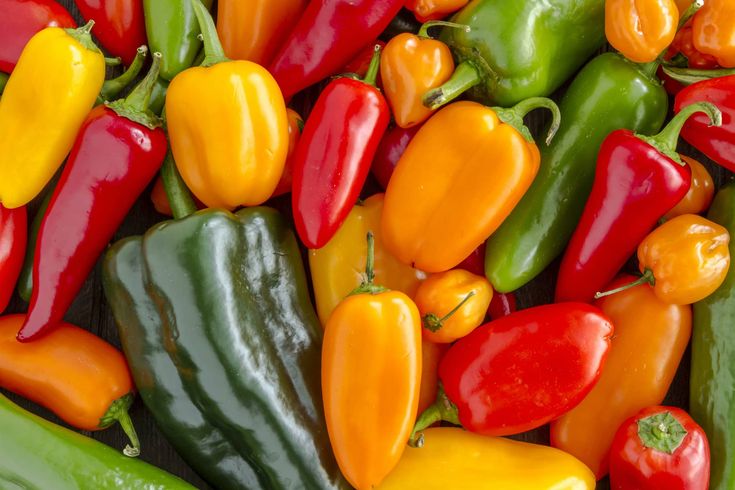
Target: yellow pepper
(336, 268)
(454, 458)
(54, 85)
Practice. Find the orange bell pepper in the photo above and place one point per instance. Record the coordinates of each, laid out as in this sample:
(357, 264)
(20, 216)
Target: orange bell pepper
(714, 31)
(641, 30)
(459, 178)
(371, 376)
(701, 192)
(425, 10)
(295, 127)
(649, 342)
(452, 304)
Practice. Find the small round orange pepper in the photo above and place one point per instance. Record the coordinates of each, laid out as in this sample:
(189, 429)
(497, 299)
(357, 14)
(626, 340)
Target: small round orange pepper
(425, 10)
(641, 30)
(452, 304)
(714, 31)
(700, 194)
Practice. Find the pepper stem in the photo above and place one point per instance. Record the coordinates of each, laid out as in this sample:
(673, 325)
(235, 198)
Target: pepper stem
(135, 105)
(688, 76)
(514, 116)
(82, 36)
(116, 61)
(367, 286)
(689, 13)
(650, 69)
(118, 412)
(111, 88)
(442, 410)
(372, 72)
(179, 196)
(646, 278)
(465, 76)
(661, 432)
(424, 31)
(433, 323)
(214, 53)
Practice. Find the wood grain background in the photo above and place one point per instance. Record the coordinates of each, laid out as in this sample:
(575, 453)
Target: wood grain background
(90, 310)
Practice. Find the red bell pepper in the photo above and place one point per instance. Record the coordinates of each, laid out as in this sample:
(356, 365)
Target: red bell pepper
(21, 19)
(13, 236)
(521, 371)
(329, 34)
(119, 25)
(391, 147)
(660, 447)
(638, 179)
(333, 156)
(118, 151)
(502, 304)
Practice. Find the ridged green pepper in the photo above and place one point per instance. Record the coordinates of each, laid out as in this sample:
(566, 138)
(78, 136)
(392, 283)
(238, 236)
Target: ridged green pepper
(38, 455)
(711, 388)
(609, 93)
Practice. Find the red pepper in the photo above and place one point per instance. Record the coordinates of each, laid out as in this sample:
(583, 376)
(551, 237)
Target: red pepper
(361, 63)
(660, 447)
(119, 25)
(118, 151)
(13, 236)
(521, 371)
(391, 147)
(329, 34)
(502, 304)
(638, 179)
(21, 19)
(333, 156)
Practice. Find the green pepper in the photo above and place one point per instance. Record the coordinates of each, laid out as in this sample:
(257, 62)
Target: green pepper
(609, 93)
(38, 455)
(516, 49)
(711, 389)
(158, 96)
(3, 81)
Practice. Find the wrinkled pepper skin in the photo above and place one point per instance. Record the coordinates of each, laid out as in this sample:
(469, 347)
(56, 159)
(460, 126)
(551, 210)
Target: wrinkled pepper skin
(182, 347)
(58, 458)
(540, 225)
(119, 25)
(641, 30)
(13, 237)
(454, 458)
(21, 20)
(713, 30)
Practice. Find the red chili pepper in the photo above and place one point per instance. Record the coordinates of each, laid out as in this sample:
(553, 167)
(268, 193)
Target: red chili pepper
(638, 179)
(660, 447)
(329, 34)
(390, 149)
(13, 236)
(118, 151)
(502, 304)
(333, 156)
(119, 25)
(21, 19)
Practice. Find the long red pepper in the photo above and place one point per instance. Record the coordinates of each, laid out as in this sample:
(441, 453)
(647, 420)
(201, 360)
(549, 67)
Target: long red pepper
(329, 34)
(13, 233)
(21, 19)
(119, 25)
(118, 151)
(333, 156)
(638, 179)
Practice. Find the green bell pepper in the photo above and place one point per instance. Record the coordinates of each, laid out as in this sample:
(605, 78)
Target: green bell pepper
(609, 93)
(38, 455)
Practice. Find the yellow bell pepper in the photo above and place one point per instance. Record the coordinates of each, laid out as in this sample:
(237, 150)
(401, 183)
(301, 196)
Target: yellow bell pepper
(454, 458)
(54, 85)
(337, 268)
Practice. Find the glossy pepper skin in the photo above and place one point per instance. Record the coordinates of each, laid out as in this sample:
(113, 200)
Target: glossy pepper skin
(334, 154)
(459, 178)
(70, 461)
(426, 10)
(35, 138)
(119, 25)
(649, 342)
(713, 30)
(645, 457)
(295, 128)
(454, 458)
(641, 30)
(700, 194)
(540, 226)
(118, 151)
(21, 20)
(328, 35)
(431, 355)
(13, 236)
(391, 147)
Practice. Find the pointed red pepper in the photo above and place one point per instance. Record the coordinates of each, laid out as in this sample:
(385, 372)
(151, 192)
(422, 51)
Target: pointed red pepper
(13, 235)
(119, 25)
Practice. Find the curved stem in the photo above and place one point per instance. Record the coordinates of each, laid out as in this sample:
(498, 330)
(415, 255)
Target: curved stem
(82, 36)
(688, 76)
(129, 429)
(650, 69)
(646, 278)
(140, 97)
(112, 88)
(465, 76)
(372, 72)
(424, 31)
(514, 116)
(367, 286)
(666, 141)
(689, 13)
(118, 412)
(442, 410)
(212, 47)
(433, 323)
(179, 196)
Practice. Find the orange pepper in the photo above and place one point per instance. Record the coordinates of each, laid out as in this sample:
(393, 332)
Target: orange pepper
(410, 66)
(371, 376)
(700, 194)
(683, 5)
(295, 127)
(431, 354)
(452, 304)
(459, 178)
(641, 29)
(253, 30)
(649, 342)
(714, 31)
(425, 10)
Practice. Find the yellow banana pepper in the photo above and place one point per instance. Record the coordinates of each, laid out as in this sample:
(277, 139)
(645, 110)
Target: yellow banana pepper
(337, 268)
(54, 85)
(454, 458)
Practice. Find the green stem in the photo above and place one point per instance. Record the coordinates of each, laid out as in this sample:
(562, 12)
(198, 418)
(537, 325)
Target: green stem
(432, 322)
(442, 410)
(514, 116)
(465, 76)
(118, 412)
(82, 36)
(367, 286)
(179, 196)
(372, 72)
(113, 87)
(646, 278)
(135, 105)
(661, 432)
(650, 69)
(424, 31)
(116, 61)
(688, 76)
(689, 13)
(3, 81)
(212, 46)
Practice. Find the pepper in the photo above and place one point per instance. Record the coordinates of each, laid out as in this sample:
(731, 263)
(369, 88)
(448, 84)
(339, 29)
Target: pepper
(638, 179)
(475, 262)
(21, 20)
(649, 342)
(371, 376)
(431, 355)
(360, 64)
(120, 25)
(453, 458)
(13, 224)
(684, 43)
(459, 178)
(3, 81)
(426, 10)
(336, 267)
(660, 447)
(326, 37)
(118, 151)
(390, 149)
(641, 30)
(713, 30)
(112, 88)
(502, 304)
(35, 138)
(295, 128)
(700, 194)
(228, 126)
(608, 94)
(490, 58)
(159, 198)
(521, 371)
(333, 157)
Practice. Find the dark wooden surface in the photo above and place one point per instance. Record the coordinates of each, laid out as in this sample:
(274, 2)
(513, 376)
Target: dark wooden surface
(91, 311)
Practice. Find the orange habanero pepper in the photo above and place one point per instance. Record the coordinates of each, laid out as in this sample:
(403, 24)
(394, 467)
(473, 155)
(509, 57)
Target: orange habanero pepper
(649, 342)
(701, 192)
(425, 10)
(641, 30)
(714, 31)
(459, 178)
(371, 376)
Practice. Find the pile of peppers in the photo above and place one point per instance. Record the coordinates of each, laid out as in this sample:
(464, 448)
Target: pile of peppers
(360, 219)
